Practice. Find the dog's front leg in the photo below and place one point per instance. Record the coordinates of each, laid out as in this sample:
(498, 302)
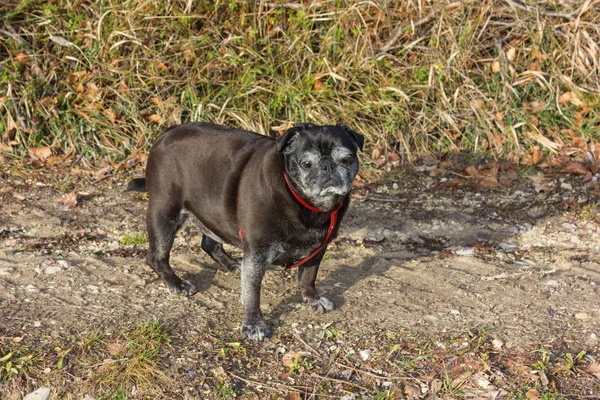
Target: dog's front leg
(253, 270)
(307, 275)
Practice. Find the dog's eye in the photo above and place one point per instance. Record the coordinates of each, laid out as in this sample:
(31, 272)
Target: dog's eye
(347, 160)
(306, 164)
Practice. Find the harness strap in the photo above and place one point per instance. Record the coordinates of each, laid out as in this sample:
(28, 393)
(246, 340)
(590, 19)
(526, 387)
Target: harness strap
(332, 222)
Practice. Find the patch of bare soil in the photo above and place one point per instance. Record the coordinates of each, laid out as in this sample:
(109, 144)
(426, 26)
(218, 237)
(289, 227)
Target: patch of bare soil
(449, 291)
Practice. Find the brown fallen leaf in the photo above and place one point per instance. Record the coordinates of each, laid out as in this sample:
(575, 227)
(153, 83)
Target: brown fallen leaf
(40, 153)
(496, 66)
(155, 118)
(575, 168)
(289, 358)
(115, 348)
(472, 171)
(68, 200)
(588, 177)
(593, 368)
(293, 396)
(533, 394)
(412, 392)
(569, 98)
(538, 156)
(488, 181)
(508, 178)
(492, 171)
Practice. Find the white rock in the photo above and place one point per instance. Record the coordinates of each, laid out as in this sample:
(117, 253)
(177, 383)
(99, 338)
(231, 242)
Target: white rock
(454, 312)
(30, 288)
(365, 354)
(552, 283)
(566, 186)
(508, 247)
(94, 289)
(467, 251)
(497, 343)
(39, 394)
(52, 269)
(37, 324)
(395, 186)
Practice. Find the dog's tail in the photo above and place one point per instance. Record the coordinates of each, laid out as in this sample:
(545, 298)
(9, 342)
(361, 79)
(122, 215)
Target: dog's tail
(136, 185)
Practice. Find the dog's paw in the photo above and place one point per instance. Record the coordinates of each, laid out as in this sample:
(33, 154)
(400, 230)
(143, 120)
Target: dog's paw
(321, 305)
(255, 331)
(234, 267)
(185, 287)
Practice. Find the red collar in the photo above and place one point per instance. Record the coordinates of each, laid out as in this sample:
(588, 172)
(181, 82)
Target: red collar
(332, 222)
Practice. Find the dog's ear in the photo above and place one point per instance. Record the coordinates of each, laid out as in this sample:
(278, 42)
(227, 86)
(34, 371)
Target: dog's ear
(287, 138)
(358, 138)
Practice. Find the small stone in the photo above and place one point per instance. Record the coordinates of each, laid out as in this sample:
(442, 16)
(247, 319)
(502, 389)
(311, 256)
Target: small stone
(94, 289)
(294, 324)
(52, 269)
(365, 354)
(566, 186)
(497, 343)
(467, 251)
(6, 271)
(39, 394)
(582, 316)
(395, 186)
(552, 283)
(454, 312)
(511, 248)
(352, 396)
(386, 384)
(37, 324)
(30, 288)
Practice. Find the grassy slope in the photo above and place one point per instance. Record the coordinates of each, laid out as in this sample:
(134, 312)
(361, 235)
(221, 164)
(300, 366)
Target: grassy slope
(103, 78)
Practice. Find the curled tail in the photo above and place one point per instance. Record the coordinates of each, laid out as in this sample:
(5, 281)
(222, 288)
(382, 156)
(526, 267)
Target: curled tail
(136, 185)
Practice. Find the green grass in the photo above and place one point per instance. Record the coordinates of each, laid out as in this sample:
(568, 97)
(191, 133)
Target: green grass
(103, 79)
(138, 239)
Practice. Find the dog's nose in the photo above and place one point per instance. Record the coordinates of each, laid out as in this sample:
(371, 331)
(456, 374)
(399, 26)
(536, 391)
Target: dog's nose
(327, 167)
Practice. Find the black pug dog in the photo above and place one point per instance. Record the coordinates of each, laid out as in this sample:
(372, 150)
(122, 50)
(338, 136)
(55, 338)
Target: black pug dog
(282, 200)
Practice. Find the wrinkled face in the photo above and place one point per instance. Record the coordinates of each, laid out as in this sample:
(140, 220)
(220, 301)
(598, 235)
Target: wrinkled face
(321, 162)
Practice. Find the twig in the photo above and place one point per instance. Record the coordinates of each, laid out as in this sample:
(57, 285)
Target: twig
(361, 371)
(340, 381)
(307, 345)
(258, 384)
(400, 29)
(570, 16)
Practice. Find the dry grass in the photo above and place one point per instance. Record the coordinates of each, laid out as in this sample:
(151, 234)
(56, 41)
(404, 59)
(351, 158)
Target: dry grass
(101, 79)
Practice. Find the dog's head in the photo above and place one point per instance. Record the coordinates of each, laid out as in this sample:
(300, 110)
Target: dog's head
(321, 161)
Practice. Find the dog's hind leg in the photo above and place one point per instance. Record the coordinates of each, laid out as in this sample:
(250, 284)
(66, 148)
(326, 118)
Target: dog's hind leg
(163, 224)
(215, 250)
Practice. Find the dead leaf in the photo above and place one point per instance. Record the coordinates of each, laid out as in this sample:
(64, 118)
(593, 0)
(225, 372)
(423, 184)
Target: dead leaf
(162, 66)
(509, 177)
(116, 348)
(575, 168)
(436, 386)
(17, 339)
(511, 53)
(40, 153)
(538, 156)
(535, 107)
(593, 368)
(293, 396)
(317, 85)
(533, 394)
(110, 114)
(155, 118)
(412, 392)
(156, 101)
(92, 87)
(375, 154)
(68, 200)
(492, 171)
(496, 66)
(569, 98)
(289, 358)
(472, 171)
(61, 41)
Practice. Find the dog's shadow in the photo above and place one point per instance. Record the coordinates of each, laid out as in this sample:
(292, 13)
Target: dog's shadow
(335, 279)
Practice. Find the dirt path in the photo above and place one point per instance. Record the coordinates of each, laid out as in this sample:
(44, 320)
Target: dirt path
(420, 256)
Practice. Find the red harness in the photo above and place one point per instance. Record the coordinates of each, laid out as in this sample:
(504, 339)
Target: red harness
(332, 221)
